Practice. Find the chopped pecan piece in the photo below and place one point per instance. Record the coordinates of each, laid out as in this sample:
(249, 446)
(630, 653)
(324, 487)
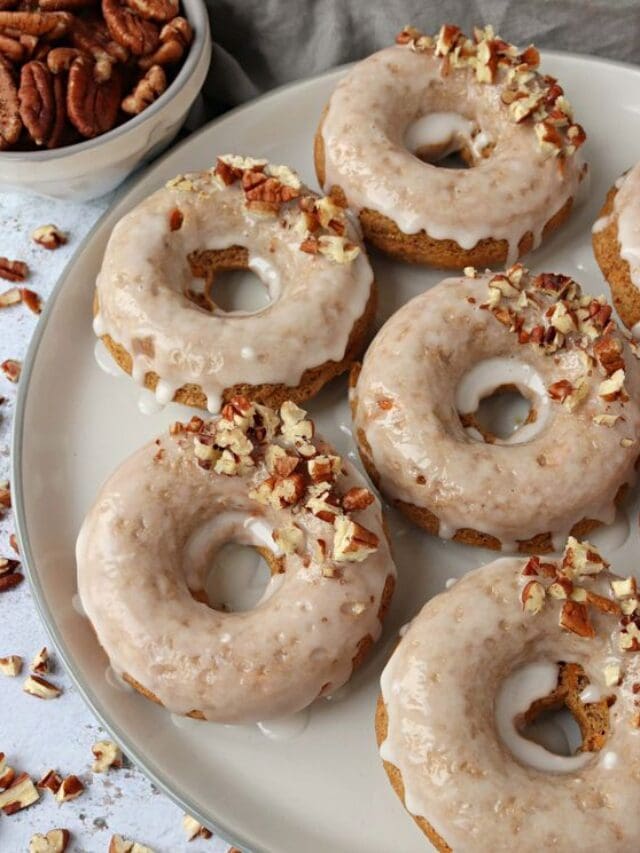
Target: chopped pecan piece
(10, 581)
(49, 237)
(574, 617)
(31, 299)
(54, 841)
(20, 794)
(13, 270)
(11, 368)
(70, 788)
(10, 297)
(352, 541)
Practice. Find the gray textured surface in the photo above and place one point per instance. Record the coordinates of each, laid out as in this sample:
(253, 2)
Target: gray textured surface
(36, 735)
(260, 44)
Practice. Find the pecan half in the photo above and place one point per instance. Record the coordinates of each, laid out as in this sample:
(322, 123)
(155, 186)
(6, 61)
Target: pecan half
(175, 38)
(154, 10)
(60, 120)
(92, 106)
(65, 5)
(37, 103)
(93, 37)
(139, 36)
(147, 90)
(49, 25)
(10, 121)
(11, 49)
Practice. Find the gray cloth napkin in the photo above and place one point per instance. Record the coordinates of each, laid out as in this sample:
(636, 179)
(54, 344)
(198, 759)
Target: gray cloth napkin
(260, 44)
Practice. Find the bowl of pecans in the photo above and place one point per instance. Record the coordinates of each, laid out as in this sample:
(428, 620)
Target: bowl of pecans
(89, 89)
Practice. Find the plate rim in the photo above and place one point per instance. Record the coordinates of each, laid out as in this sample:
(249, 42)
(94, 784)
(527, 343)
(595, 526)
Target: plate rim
(47, 618)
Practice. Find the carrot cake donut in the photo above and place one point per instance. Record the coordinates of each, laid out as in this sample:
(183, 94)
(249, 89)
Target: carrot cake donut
(165, 329)
(477, 666)
(616, 244)
(396, 114)
(435, 359)
(257, 477)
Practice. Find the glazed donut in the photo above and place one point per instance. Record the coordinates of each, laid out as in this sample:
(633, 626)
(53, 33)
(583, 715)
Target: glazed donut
(245, 213)
(395, 114)
(258, 478)
(435, 359)
(616, 245)
(476, 666)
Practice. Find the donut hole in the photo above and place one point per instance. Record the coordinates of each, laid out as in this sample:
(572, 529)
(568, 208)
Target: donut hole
(239, 578)
(550, 717)
(449, 140)
(502, 401)
(228, 282)
(500, 414)
(554, 729)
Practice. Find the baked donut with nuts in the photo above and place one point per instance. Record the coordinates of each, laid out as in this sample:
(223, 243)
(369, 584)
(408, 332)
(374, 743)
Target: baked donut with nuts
(477, 666)
(562, 471)
(616, 245)
(261, 478)
(156, 305)
(396, 114)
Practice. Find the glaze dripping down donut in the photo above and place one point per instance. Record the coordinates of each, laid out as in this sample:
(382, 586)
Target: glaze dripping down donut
(616, 245)
(422, 378)
(396, 113)
(477, 666)
(256, 477)
(156, 307)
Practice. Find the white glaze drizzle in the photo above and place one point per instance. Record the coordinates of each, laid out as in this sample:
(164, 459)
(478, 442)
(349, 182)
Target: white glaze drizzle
(626, 205)
(285, 728)
(105, 361)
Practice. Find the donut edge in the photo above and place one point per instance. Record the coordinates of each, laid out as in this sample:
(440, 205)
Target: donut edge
(606, 249)
(591, 718)
(363, 647)
(383, 233)
(395, 778)
(312, 381)
(541, 543)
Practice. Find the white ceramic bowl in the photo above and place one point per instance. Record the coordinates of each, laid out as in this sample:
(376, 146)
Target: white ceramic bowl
(90, 169)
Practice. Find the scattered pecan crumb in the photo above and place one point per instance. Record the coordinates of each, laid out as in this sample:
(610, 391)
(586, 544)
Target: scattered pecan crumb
(13, 270)
(11, 369)
(49, 237)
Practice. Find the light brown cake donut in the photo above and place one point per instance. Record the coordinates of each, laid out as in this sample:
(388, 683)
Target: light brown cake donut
(616, 245)
(166, 330)
(395, 114)
(256, 477)
(484, 660)
(465, 338)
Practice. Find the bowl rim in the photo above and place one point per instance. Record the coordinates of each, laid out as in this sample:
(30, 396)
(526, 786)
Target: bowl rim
(196, 13)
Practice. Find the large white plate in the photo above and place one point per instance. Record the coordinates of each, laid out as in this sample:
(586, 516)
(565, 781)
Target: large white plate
(325, 789)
